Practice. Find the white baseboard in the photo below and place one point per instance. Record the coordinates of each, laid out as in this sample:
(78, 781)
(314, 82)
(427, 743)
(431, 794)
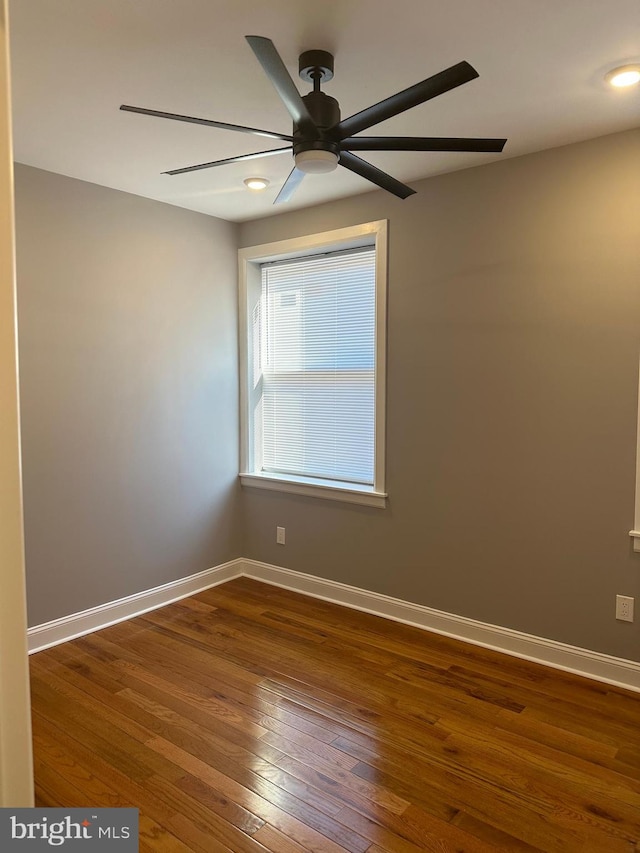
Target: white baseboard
(601, 667)
(87, 621)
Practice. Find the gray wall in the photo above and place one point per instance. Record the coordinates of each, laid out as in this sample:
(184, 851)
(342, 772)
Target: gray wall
(514, 297)
(128, 366)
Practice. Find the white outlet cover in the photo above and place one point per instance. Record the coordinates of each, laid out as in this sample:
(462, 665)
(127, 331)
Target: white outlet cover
(624, 608)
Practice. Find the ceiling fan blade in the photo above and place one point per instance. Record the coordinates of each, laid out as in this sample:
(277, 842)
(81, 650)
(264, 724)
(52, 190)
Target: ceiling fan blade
(417, 143)
(276, 71)
(440, 83)
(290, 186)
(207, 122)
(239, 159)
(375, 175)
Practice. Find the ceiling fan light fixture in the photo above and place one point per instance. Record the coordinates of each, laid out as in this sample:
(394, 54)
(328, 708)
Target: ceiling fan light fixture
(256, 184)
(625, 75)
(316, 162)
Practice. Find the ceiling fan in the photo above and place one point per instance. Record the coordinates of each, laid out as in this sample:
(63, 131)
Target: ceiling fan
(320, 140)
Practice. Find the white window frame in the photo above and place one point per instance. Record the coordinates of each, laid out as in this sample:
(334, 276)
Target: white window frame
(249, 262)
(635, 533)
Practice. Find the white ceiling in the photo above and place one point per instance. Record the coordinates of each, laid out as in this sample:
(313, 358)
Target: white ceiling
(541, 65)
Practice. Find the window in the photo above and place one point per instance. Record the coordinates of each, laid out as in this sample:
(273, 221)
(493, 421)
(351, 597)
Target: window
(313, 340)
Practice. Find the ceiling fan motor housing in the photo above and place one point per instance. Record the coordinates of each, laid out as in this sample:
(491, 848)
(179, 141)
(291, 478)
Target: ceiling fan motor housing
(325, 112)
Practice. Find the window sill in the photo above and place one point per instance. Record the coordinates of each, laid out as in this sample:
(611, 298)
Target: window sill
(312, 488)
(635, 535)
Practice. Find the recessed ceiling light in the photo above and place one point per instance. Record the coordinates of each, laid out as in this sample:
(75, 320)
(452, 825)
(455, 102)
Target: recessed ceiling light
(626, 75)
(256, 184)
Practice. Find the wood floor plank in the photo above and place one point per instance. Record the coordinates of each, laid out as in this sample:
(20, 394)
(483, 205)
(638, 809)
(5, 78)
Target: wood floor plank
(124, 752)
(157, 838)
(497, 838)
(276, 842)
(300, 789)
(369, 799)
(281, 814)
(159, 798)
(504, 794)
(248, 701)
(427, 833)
(204, 827)
(555, 774)
(251, 719)
(548, 734)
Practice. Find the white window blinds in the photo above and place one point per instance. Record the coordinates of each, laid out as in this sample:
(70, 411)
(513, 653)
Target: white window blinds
(316, 338)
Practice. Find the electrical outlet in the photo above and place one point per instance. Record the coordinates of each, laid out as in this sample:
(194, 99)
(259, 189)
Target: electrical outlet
(624, 608)
(280, 537)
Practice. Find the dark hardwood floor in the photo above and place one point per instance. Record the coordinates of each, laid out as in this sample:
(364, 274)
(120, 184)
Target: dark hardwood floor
(251, 719)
